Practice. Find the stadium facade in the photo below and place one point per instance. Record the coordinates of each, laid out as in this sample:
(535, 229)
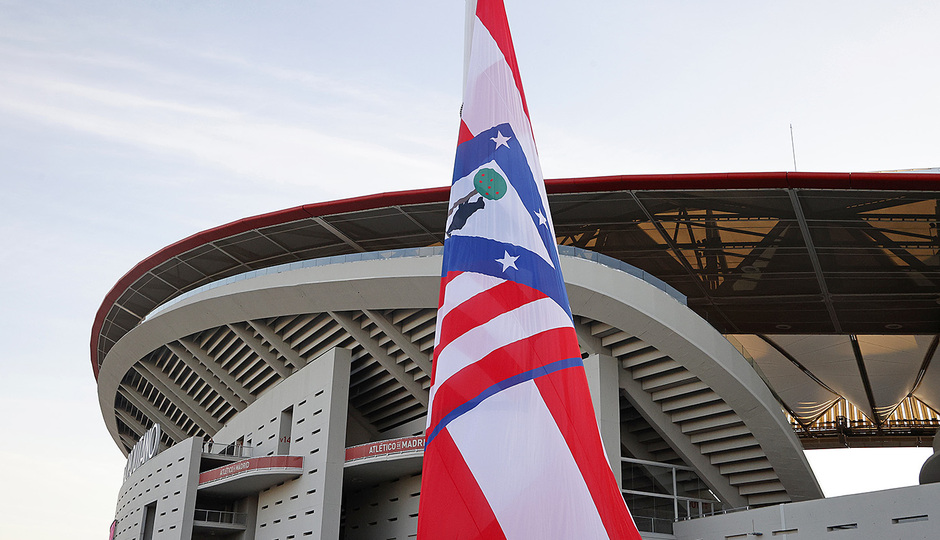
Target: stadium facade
(269, 378)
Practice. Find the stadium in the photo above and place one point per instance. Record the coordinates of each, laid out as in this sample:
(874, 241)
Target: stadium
(269, 378)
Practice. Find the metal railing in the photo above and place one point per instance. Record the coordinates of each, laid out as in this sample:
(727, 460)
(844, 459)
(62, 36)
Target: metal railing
(221, 517)
(860, 428)
(659, 494)
(750, 359)
(232, 449)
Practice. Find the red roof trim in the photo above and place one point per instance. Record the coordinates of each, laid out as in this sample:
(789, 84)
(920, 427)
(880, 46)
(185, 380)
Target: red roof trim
(760, 180)
(651, 182)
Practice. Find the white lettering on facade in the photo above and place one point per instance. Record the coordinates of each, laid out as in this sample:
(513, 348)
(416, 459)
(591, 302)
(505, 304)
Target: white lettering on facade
(234, 468)
(147, 447)
(398, 445)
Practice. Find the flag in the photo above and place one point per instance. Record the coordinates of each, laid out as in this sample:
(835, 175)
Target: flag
(512, 444)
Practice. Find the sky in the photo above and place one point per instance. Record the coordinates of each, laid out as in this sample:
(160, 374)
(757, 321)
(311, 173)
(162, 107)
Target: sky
(128, 125)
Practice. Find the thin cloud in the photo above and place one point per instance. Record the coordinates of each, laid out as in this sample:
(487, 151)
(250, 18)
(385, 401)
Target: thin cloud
(221, 136)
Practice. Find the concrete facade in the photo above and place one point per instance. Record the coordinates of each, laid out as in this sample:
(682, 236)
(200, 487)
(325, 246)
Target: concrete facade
(166, 484)
(344, 342)
(909, 513)
(313, 403)
(384, 509)
(305, 417)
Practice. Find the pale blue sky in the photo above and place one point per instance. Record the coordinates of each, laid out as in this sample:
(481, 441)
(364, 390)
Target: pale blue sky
(128, 125)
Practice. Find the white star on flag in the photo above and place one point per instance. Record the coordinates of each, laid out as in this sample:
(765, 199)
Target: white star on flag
(501, 140)
(507, 261)
(541, 216)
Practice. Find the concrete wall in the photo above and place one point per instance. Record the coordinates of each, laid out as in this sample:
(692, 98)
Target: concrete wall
(168, 479)
(387, 510)
(603, 375)
(318, 395)
(910, 513)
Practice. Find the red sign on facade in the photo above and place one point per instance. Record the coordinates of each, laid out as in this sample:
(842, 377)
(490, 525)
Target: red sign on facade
(381, 448)
(270, 462)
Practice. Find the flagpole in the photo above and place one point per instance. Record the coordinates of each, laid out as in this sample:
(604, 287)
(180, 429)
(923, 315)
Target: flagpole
(793, 147)
(469, 17)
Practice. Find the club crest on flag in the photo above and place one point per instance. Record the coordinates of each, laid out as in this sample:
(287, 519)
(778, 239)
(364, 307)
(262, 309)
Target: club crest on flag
(496, 216)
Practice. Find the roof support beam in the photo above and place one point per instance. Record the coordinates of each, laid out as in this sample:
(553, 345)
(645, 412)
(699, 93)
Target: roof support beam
(677, 253)
(162, 382)
(437, 237)
(931, 350)
(263, 352)
(378, 353)
(404, 342)
(635, 447)
(653, 413)
(866, 382)
(280, 344)
(201, 369)
(362, 421)
(208, 366)
(138, 400)
(131, 422)
(339, 234)
(814, 258)
(228, 255)
(127, 443)
(128, 310)
(901, 253)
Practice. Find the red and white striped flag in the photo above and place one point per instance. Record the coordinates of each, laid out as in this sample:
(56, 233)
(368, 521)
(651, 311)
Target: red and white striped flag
(513, 449)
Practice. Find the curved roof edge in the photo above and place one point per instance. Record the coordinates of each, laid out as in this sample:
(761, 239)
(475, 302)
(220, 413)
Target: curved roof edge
(682, 342)
(902, 181)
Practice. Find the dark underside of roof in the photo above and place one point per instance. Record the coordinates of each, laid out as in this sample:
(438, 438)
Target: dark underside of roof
(772, 261)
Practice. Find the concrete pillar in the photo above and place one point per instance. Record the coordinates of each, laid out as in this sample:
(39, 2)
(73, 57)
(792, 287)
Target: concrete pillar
(192, 448)
(930, 472)
(339, 360)
(603, 380)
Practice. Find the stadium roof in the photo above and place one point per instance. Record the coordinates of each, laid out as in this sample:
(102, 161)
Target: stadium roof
(829, 282)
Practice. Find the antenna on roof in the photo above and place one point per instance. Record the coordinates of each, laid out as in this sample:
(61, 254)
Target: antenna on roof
(793, 147)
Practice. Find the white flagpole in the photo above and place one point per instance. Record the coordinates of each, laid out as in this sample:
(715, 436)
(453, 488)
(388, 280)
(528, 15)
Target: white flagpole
(469, 20)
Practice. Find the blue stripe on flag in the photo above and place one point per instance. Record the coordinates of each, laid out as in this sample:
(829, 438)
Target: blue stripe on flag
(512, 160)
(505, 384)
(476, 254)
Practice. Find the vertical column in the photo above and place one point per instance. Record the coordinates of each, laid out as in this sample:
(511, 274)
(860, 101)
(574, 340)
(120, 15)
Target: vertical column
(930, 471)
(339, 361)
(192, 447)
(603, 379)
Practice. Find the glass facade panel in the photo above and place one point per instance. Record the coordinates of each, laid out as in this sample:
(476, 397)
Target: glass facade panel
(658, 494)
